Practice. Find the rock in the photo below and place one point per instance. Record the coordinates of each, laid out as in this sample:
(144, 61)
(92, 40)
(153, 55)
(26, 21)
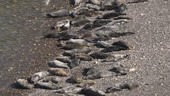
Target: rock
(70, 89)
(62, 25)
(58, 72)
(92, 6)
(92, 92)
(117, 46)
(22, 83)
(47, 85)
(122, 86)
(99, 55)
(64, 59)
(75, 80)
(57, 64)
(38, 76)
(74, 63)
(59, 13)
(119, 70)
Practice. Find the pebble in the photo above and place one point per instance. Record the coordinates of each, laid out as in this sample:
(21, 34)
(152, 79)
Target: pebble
(22, 83)
(92, 92)
(57, 64)
(38, 76)
(58, 72)
(59, 13)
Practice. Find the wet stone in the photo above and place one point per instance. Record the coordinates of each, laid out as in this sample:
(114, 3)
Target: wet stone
(92, 92)
(38, 76)
(22, 83)
(57, 64)
(59, 13)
